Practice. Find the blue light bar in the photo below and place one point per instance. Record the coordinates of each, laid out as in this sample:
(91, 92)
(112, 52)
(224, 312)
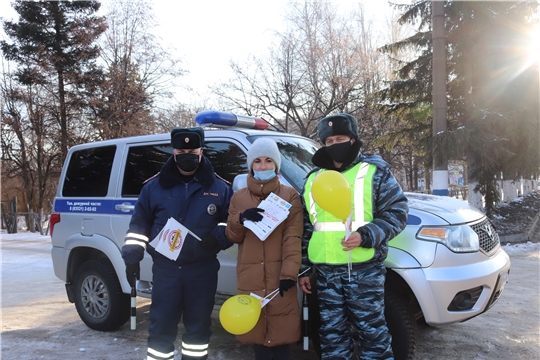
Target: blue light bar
(224, 119)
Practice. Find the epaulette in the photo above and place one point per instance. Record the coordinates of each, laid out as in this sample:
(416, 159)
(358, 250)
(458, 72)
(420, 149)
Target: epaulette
(150, 178)
(222, 179)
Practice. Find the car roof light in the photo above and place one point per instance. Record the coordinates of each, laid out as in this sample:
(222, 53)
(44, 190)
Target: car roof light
(226, 119)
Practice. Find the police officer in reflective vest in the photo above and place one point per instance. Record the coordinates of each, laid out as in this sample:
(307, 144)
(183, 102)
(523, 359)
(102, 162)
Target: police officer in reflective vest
(187, 190)
(351, 295)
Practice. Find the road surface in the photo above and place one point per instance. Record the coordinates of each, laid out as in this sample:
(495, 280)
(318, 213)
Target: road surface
(38, 322)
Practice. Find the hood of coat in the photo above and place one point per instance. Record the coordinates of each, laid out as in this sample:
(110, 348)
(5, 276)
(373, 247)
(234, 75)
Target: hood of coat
(260, 188)
(169, 176)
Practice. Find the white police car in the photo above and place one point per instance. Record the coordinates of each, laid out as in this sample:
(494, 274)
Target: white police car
(447, 266)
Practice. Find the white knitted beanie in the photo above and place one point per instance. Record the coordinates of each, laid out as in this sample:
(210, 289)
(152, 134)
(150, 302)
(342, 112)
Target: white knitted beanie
(264, 147)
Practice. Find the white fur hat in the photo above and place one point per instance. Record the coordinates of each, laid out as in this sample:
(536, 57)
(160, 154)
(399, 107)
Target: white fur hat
(264, 147)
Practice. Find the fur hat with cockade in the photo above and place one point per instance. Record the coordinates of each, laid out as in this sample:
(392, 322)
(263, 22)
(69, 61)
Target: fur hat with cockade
(340, 124)
(187, 138)
(264, 147)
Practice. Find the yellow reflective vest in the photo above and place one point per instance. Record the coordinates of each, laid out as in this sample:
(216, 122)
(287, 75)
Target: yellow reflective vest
(328, 231)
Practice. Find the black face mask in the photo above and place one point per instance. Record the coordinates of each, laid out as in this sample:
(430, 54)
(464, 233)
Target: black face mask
(339, 152)
(187, 162)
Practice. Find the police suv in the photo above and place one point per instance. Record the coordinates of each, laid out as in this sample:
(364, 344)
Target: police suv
(447, 266)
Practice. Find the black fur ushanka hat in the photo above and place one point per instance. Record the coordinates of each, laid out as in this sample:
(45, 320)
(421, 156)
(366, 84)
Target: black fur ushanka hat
(340, 124)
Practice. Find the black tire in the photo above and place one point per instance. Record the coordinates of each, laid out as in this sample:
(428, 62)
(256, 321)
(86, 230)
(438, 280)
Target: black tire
(402, 326)
(99, 299)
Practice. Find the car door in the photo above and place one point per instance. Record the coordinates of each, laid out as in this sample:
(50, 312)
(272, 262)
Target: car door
(141, 161)
(228, 157)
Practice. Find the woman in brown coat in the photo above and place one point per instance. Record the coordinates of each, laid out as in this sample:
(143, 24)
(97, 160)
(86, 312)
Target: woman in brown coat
(264, 266)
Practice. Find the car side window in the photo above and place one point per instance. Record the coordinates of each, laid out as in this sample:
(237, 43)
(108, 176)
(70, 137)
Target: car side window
(227, 158)
(89, 172)
(142, 163)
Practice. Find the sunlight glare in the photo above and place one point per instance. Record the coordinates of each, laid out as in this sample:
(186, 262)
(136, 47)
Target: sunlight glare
(534, 46)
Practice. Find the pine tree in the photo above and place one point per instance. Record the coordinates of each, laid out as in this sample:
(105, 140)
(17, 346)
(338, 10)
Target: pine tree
(492, 89)
(53, 43)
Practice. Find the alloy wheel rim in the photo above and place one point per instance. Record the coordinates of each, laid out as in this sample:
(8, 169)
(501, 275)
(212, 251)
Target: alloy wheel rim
(95, 297)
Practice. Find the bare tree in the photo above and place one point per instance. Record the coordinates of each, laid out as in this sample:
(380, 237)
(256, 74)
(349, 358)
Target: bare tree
(31, 156)
(177, 115)
(140, 73)
(323, 63)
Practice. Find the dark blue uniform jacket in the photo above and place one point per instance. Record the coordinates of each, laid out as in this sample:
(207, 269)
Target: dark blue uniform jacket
(200, 205)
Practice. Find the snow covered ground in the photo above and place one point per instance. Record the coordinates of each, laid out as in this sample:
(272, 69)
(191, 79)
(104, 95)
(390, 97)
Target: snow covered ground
(25, 235)
(39, 323)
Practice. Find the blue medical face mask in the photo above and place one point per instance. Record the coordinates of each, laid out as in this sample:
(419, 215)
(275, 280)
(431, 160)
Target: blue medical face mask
(264, 175)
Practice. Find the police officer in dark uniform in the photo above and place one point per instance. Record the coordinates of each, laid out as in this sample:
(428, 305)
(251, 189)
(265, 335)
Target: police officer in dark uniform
(187, 190)
(350, 270)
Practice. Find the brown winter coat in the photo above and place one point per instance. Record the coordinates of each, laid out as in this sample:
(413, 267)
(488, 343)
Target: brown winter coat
(262, 264)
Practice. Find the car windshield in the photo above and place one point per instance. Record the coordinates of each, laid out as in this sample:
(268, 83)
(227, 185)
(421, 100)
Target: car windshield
(296, 155)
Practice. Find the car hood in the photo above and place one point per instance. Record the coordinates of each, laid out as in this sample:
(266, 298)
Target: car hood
(452, 210)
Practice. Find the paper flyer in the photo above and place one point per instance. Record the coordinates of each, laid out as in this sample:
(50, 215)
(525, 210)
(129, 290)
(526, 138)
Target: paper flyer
(276, 211)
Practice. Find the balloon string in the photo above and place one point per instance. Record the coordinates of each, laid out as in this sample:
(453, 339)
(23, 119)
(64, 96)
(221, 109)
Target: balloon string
(303, 272)
(274, 293)
(348, 231)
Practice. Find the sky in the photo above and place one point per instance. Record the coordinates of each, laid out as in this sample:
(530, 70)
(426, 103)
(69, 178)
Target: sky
(209, 33)
(228, 30)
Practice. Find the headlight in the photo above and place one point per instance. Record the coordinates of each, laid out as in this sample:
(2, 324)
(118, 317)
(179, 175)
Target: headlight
(457, 238)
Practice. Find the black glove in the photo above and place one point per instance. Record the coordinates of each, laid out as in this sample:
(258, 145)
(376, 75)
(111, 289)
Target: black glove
(209, 242)
(132, 271)
(285, 285)
(251, 214)
(132, 253)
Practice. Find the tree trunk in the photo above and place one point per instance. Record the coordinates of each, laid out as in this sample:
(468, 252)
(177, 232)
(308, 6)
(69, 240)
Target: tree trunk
(440, 159)
(63, 117)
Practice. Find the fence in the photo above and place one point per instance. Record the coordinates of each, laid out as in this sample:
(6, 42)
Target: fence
(10, 217)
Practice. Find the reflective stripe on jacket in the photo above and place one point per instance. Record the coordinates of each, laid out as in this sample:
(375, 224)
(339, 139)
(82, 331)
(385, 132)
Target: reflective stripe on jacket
(325, 244)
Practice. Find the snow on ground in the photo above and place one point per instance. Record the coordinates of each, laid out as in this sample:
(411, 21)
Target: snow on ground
(521, 248)
(25, 235)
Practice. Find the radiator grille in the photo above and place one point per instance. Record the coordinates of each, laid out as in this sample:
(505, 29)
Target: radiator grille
(487, 235)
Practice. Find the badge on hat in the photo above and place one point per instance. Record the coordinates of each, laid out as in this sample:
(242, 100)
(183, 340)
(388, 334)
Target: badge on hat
(187, 138)
(329, 123)
(211, 209)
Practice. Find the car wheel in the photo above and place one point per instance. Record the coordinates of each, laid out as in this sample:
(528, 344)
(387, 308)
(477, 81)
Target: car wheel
(99, 299)
(402, 326)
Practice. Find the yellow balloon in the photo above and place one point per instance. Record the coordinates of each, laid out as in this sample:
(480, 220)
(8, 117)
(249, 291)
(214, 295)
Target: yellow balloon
(239, 314)
(332, 192)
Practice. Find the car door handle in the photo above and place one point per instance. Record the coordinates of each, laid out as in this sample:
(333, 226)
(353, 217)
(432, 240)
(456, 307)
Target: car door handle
(125, 207)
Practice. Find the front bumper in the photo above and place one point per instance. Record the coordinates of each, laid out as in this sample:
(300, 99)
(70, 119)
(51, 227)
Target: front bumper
(458, 287)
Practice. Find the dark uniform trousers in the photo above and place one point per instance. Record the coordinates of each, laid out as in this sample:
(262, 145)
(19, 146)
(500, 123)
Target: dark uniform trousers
(358, 301)
(182, 291)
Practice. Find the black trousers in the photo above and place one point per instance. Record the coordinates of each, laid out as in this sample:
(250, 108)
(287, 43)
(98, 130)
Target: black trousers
(186, 293)
(271, 353)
